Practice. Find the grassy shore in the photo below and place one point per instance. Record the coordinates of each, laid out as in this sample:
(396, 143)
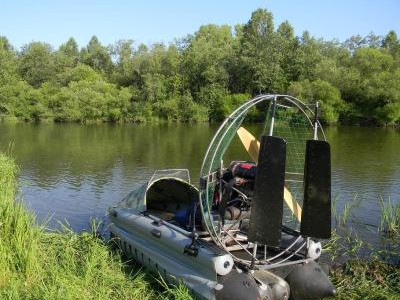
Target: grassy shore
(369, 280)
(38, 264)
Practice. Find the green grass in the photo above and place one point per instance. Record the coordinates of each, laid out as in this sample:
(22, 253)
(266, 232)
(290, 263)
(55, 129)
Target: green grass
(359, 279)
(37, 264)
(390, 221)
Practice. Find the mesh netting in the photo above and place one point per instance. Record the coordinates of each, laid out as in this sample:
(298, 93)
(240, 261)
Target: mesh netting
(293, 125)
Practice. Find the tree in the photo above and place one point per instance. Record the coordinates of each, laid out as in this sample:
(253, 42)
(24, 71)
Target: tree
(321, 91)
(36, 63)
(370, 61)
(86, 101)
(181, 109)
(67, 55)
(291, 59)
(171, 69)
(381, 101)
(123, 53)
(205, 66)
(8, 62)
(206, 59)
(78, 73)
(23, 101)
(260, 56)
(309, 55)
(97, 56)
(392, 44)
(357, 41)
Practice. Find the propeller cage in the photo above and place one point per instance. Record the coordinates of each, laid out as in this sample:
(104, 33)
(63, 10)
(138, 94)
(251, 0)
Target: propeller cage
(279, 166)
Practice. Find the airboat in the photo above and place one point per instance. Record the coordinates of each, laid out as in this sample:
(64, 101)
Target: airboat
(252, 228)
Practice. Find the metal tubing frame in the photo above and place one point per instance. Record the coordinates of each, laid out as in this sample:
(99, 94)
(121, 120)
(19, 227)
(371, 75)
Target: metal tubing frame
(232, 118)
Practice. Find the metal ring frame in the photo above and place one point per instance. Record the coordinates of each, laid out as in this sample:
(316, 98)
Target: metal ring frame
(241, 112)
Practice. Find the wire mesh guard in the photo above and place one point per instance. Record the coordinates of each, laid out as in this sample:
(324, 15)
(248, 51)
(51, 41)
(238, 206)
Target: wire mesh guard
(295, 128)
(291, 120)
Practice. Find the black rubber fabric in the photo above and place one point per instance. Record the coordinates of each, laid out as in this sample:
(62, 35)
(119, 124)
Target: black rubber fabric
(267, 205)
(316, 215)
(238, 286)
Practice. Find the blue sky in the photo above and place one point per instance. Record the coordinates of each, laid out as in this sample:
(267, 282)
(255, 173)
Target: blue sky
(149, 21)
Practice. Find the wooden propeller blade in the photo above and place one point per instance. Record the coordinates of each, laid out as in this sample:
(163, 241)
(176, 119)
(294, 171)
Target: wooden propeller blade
(253, 147)
(292, 204)
(250, 143)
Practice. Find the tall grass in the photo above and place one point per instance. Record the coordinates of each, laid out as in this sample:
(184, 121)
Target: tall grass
(345, 242)
(357, 276)
(18, 239)
(390, 220)
(367, 280)
(37, 264)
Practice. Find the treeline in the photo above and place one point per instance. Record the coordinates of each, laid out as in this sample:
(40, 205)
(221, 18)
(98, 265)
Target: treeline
(202, 76)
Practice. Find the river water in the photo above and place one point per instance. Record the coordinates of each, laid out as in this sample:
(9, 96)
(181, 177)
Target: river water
(72, 172)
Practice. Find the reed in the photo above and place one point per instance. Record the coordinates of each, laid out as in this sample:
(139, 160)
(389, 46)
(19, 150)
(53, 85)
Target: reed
(390, 218)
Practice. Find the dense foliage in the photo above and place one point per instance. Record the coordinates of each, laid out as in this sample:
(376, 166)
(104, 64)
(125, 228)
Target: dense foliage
(202, 76)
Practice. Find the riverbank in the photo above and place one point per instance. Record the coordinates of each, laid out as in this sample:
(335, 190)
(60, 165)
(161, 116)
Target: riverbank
(38, 264)
(156, 120)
